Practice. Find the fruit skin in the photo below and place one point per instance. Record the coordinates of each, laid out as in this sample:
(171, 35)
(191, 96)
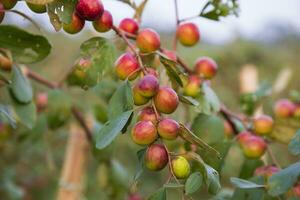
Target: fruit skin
(284, 108)
(135, 197)
(254, 147)
(89, 9)
(104, 23)
(228, 130)
(266, 171)
(138, 99)
(206, 67)
(166, 100)
(2, 14)
(243, 136)
(41, 101)
(152, 71)
(5, 63)
(192, 88)
(129, 25)
(37, 8)
(144, 132)
(181, 167)
(148, 86)
(148, 114)
(296, 190)
(156, 157)
(168, 129)
(170, 54)
(75, 26)
(148, 40)
(125, 65)
(9, 4)
(188, 34)
(263, 125)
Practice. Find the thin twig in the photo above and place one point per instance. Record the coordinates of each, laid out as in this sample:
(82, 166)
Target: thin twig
(170, 164)
(38, 78)
(273, 158)
(177, 23)
(80, 118)
(183, 65)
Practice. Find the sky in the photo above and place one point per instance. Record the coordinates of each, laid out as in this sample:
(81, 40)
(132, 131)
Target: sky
(254, 17)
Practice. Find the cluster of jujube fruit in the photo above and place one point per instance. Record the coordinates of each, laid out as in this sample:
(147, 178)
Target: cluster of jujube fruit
(285, 108)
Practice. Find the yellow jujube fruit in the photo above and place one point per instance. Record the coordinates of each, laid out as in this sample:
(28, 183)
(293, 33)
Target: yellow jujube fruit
(181, 167)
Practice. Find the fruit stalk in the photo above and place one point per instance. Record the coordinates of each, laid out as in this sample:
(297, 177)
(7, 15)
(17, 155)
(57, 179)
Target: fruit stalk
(177, 23)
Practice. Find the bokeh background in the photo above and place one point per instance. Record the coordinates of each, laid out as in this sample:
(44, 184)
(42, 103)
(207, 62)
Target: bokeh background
(266, 34)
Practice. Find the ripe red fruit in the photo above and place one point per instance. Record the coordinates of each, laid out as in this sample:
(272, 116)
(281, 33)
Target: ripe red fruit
(188, 34)
(243, 136)
(206, 67)
(166, 100)
(89, 9)
(156, 157)
(263, 125)
(138, 99)
(284, 108)
(75, 26)
(148, 86)
(126, 65)
(266, 171)
(148, 114)
(104, 23)
(148, 40)
(168, 129)
(2, 13)
(254, 147)
(37, 8)
(135, 197)
(170, 54)
(144, 132)
(192, 88)
(152, 71)
(129, 25)
(9, 4)
(296, 190)
(41, 101)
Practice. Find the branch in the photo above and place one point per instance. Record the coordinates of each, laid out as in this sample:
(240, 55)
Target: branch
(80, 118)
(38, 78)
(272, 156)
(177, 23)
(228, 115)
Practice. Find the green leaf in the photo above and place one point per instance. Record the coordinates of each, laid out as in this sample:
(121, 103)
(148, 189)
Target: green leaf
(141, 156)
(119, 173)
(248, 167)
(63, 9)
(208, 101)
(211, 176)
(160, 194)
(172, 69)
(111, 130)
(294, 145)
(282, 181)
(193, 183)
(173, 185)
(6, 116)
(102, 53)
(190, 137)
(250, 194)
(20, 87)
(241, 183)
(25, 47)
(188, 100)
(121, 101)
(26, 113)
(210, 128)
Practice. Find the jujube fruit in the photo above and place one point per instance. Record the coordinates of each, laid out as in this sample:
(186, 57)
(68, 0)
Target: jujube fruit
(168, 129)
(156, 157)
(148, 86)
(166, 100)
(148, 40)
(5, 63)
(126, 65)
(2, 13)
(192, 88)
(284, 108)
(104, 23)
(37, 8)
(148, 114)
(254, 147)
(206, 67)
(129, 25)
(181, 167)
(144, 132)
(89, 9)
(188, 34)
(138, 99)
(263, 125)
(75, 26)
